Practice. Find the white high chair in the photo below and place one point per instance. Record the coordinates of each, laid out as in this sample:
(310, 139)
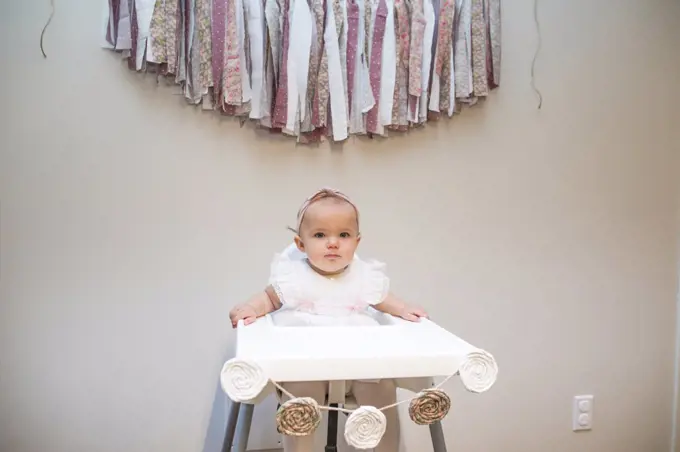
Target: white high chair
(412, 353)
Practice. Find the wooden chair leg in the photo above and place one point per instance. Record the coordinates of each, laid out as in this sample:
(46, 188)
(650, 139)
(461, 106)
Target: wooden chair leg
(332, 438)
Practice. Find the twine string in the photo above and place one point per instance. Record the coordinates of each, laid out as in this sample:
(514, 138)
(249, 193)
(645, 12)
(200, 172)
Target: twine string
(347, 411)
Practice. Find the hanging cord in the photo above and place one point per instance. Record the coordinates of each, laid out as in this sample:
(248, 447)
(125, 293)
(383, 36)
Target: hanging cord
(346, 411)
(417, 395)
(42, 35)
(533, 63)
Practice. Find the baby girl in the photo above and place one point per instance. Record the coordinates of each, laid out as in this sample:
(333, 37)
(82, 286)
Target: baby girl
(319, 281)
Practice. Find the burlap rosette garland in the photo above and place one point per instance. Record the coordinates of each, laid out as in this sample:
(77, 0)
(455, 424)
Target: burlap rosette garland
(242, 380)
(298, 417)
(365, 427)
(430, 406)
(478, 371)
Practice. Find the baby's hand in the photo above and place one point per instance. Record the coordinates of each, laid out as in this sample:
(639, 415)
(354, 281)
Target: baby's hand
(243, 312)
(412, 313)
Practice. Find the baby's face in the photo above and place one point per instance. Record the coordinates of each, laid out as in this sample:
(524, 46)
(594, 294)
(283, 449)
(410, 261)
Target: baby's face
(329, 235)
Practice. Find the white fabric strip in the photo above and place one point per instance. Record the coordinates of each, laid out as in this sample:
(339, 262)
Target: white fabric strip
(463, 54)
(434, 92)
(452, 84)
(246, 92)
(273, 14)
(343, 51)
(368, 101)
(337, 91)
(298, 62)
(124, 42)
(430, 18)
(256, 30)
(144, 11)
(107, 21)
(389, 68)
(356, 118)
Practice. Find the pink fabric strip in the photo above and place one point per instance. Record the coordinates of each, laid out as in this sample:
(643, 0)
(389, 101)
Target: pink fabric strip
(404, 31)
(134, 30)
(352, 42)
(403, 34)
(418, 24)
(281, 109)
(232, 85)
(489, 57)
(445, 35)
(186, 24)
(375, 70)
(219, 14)
(415, 64)
(169, 19)
(322, 76)
(112, 31)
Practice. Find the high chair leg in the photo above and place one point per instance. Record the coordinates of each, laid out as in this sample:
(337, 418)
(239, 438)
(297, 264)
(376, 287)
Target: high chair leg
(332, 435)
(245, 419)
(437, 434)
(232, 417)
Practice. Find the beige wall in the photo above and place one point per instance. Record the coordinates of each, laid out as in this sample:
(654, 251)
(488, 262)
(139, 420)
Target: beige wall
(131, 223)
(676, 445)
(676, 432)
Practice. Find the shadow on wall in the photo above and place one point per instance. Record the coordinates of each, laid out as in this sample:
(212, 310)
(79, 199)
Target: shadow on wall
(214, 435)
(218, 421)
(263, 435)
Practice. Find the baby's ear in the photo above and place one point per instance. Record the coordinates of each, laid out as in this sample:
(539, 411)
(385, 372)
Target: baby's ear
(299, 244)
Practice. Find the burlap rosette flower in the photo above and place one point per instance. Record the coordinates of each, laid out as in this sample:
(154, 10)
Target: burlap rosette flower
(430, 406)
(298, 417)
(478, 371)
(365, 427)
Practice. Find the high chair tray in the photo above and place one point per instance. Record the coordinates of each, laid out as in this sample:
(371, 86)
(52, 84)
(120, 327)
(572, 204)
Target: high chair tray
(394, 349)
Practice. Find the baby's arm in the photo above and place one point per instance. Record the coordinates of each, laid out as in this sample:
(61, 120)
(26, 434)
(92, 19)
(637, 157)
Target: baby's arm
(259, 305)
(394, 306)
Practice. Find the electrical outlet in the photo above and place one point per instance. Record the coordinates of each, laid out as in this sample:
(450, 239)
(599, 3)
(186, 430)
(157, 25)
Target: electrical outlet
(582, 414)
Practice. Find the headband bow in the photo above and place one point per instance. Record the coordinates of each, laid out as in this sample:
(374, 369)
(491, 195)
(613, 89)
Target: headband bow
(319, 195)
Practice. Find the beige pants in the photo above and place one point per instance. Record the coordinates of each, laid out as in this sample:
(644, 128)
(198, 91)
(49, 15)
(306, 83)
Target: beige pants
(367, 393)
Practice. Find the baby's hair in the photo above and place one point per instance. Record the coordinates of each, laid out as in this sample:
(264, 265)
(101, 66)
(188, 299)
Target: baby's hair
(324, 193)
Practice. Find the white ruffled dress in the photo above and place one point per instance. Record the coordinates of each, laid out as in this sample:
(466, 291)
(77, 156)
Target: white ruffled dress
(310, 299)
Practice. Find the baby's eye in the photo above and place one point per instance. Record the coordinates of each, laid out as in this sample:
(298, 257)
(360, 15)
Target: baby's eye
(345, 235)
(319, 235)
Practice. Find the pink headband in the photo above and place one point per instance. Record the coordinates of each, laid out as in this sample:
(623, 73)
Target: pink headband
(319, 195)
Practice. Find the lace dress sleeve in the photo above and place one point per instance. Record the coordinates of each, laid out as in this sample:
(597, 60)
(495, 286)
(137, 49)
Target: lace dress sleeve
(376, 284)
(284, 279)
